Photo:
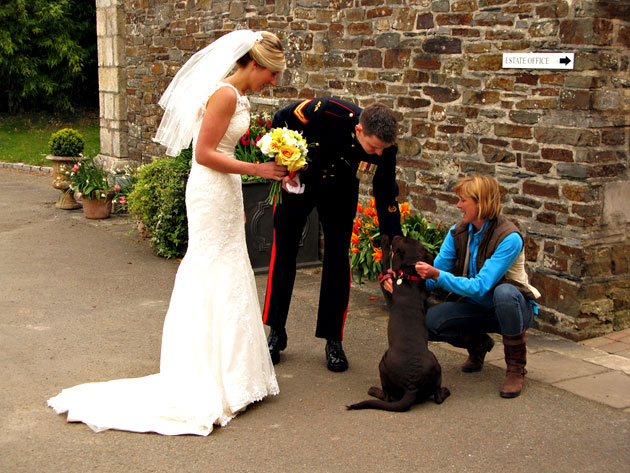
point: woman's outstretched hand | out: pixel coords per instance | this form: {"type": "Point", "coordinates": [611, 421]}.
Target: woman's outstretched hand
{"type": "Point", "coordinates": [271, 170]}
{"type": "Point", "coordinates": [426, 271]}
{"type": "Point", "coordinates": [387, 281]}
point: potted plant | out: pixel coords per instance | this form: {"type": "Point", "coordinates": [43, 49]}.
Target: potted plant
{"type": "Point", "coordinates": [66, 148]}
{"type": "Point", "coordinates": [258, 211]}
{"type": "Point", "coordinates": [94, 186]}
{"type": "Point", "coordinates": [365, 251]}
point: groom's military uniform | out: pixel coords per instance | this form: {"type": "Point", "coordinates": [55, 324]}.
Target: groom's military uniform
{"type": "Point", "coordinates": [336, 158]}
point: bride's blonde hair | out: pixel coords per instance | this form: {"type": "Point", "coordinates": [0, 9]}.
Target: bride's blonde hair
{"type": "Point", "coordinates": [267, 53]}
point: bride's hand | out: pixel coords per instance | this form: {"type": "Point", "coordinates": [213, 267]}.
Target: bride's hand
{"type": "Point", "coordinates": [271, 170]}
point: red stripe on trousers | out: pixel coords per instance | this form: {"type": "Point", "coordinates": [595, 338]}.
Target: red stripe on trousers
{"type": "Point", "coordinates": [345, 313]}
{"type": "Point", "coordinates": [271, 264]}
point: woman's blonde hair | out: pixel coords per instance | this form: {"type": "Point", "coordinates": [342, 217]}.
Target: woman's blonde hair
{"type": "Point", "coordinates": [486, 192]}
{"type": "Point", "coordinates": [267, 53]}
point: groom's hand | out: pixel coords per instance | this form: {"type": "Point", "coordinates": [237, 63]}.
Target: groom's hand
{"type": "Point", "coordinates": [286, 179]}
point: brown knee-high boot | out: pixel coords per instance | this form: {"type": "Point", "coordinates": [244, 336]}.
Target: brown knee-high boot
{"type": "Point", "coordinates": [478, 345]}
{"type": "Point", "coordinates": [515, 359]}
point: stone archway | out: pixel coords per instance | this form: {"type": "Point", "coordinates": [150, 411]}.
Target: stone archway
{"type": "Point", "coordinates": [112, 79]}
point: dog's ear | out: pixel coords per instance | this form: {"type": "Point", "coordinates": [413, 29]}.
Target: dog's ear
{"type": "Point", "coordinates": [384, 240]}
{"type": "Point", "coordinates": [386, 249]}
{"type": "Point", "coordinates": [398, 253]}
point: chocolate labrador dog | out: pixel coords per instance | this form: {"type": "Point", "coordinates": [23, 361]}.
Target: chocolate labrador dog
{"type": "Point", "coordinates": [410, 372]}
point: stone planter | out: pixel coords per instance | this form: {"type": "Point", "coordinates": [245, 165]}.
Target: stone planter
{"type": "Point", "coordinates": [259, 230]}
{"type": "Point", "coordinates": [61, 164]}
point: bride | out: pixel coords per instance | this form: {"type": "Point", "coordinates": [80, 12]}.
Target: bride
{"type": "Point", "coordinates": [214, 359]}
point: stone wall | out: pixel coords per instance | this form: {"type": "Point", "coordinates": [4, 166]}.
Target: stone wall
{"type": "Point", "coordinates": [558, 141]}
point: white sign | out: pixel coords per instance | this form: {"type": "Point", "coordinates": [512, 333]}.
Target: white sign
{"type": "Point", "coordinates": [538, 60]}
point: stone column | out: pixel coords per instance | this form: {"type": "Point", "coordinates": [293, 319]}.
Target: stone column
{"type": "Point", "coordinates": [110, 29]}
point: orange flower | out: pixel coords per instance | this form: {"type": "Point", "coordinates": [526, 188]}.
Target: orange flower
{"type": "Point", "coordinates": [354, 249]}
{"type": "Point", "coordinates": [404, 209]}
{"type": "Point", "coordinates": [357, 225]}
{"type": "Point", "coordinates": [354, 239]}
{"type": "Point", "coordinates": [376, 220]}
{"type": "Point", "coordinates": [359, 208]}
{"type": "Point", "coordinates": [368, 212]}
{"type": "Point", "coordinates": [377, 255]}
{"type": "Point", "coordinates": [372, 203]}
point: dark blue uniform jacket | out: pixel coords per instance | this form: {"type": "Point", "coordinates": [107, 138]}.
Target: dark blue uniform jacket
{"type": "Point", "coordinates": [328, 125]}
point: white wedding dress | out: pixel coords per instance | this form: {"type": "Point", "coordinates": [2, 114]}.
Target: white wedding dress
{"type": "Point", "coordinates": [215, 359]}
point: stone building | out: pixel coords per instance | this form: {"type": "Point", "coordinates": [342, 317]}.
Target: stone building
{"type": "Point", "coordinates": [556, 139]}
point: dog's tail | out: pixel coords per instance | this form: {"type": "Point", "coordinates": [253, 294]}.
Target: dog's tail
{"type": "Point", "coordinates": [408, 400]}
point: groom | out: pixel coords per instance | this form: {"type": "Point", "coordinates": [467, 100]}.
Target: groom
{"type": "Point", "coordinates": [347, 144]}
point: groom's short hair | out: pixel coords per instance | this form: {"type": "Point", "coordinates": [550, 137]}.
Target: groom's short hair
{"type": "Point", "coordinates": [379, 120]}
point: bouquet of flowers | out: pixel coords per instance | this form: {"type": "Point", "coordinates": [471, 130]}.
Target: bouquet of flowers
{"type": "Point", "coordinates": [246, 149]}
{"type": "Point", "coordinates": [288, 148]}
{"type": "Point", "coordinates": [365, 254]}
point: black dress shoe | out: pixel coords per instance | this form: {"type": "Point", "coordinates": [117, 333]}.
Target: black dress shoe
{"type": "Point", "coordinates": [335, 356]}
{"type": "Point", "coordinates": [277, 341]}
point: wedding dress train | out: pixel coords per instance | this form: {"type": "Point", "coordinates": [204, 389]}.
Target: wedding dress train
{"type": "Point", "coordinates": [214, 359]}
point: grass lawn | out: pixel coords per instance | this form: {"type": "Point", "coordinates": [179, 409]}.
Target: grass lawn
{"type": "Point", "coordinates": [24, 137]}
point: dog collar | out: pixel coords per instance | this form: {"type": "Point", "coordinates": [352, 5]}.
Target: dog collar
{"type": "Point", "coordinates": [402, 275]}
{"type": "Point", "coordinates": [384, 277]}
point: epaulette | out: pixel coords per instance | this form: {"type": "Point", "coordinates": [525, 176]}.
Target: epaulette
{"type": "Point", "coordinates": [339, 110]}
{"type": "Point", "coordinates": [298, 112]}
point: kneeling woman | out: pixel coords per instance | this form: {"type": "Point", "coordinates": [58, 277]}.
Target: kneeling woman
{"type": "Point", "coordinates": [482, 261]}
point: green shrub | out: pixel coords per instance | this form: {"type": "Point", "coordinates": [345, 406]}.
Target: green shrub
{"type": "Point", "coordinates": [158, 201]}
{"type": "Point", "coordinates": [66, 142]}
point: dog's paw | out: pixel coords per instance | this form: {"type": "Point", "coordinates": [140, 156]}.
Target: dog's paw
{"type": "Point", "coordinates": [376, 392]}
{"type": "Point", "coordinates": [441, 394]}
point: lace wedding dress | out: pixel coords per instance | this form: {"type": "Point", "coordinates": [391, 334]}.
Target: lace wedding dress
{"type": "Point", "coordinates": [214, 359]}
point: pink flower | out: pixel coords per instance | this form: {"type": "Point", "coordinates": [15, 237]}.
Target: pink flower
{"type": "Point", "coordinates": [123, 201]}
{"type": "Point", "coordinates": [117, 187]}
{"type": "Point", "coordinates": [75, 168]}
{"type": "Point", "coordinates": [79, 195]}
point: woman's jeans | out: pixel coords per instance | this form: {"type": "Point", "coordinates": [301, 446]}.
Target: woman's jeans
{"type": "Point", "coordinates": [511, 315]}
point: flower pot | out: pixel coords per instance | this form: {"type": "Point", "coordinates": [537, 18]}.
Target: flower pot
{"type": "Point", "coordinates": [98, 207]}
{"type": "Point", "coordinates": [60, 164]}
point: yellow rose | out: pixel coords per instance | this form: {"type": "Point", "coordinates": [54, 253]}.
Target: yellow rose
{"type": "Point", "coordinates": [297, 165]}
{"type": "Point", "coordinates": [287, 155]}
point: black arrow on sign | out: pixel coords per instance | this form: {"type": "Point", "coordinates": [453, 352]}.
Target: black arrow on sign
{"type": "Point", "coordinates": [565, 60]}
